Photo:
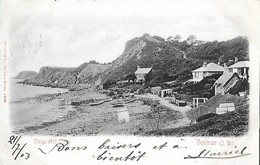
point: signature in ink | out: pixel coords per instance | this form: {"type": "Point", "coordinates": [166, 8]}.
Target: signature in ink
{"type": "Point", "coordinates": [208, 154]}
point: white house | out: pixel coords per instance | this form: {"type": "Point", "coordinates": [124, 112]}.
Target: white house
{"type": "Point", "coordinates": [165, 92]}
{"type": "Point", "coordinates": [241, 68]}
{"type": "Point", "coordinates": [156, 90]}
{"type": "Point", "coordinates": [206, 70]}
{"type": "Point", "coordinates": [140, 73]}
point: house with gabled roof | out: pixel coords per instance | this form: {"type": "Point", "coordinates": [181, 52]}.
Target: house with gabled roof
{"type": "Point", "coordinates": [225, 82]}
{"type": "Point", "coordinates": [241, 68]}
{"type": "Point", "coordinates": [206, 70]}
{"type": "Point", "coordinates": [141, 73]}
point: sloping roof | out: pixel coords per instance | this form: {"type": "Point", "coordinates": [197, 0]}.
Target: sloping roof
{"type": "Point", "coordinates": [240, 64]}
{"type": "Point", "coordinates": [211, 67]}
{"type": "Point", "coordinates": [143, 70]}
{"type": "Point", "coordinates": [158, 87]}
{"type": "Point", "coordinates": [223, 80]}
{"type": "Point", "coordinates": [194, 80]}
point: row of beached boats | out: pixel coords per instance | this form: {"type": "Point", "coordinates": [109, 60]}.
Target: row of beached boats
{"type": "Point", "coordinates": [100, 102]}
{"type": "Point", "coordinates": [121, 103]}
{"type": "Point", "coordinates": [118, 103]}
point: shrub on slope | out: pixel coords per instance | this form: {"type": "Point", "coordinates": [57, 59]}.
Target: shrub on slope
{"type": "Point", "coordinates": [233, 123]}
{"type": "Point", "coordinates": [230, 124]}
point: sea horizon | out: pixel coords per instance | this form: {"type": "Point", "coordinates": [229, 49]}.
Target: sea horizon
{"type": "Point", "coordinates": [18, 92]}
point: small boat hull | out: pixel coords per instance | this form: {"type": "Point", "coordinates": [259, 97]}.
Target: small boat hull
{"type": "Point", "coordinates": [117, 105]}
{"type": "Point", "coordinates": [94, 104]}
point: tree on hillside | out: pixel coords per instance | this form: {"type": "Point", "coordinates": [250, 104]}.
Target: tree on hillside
{"type": "Point", "coordinates": [169, 38]}
{"type": "Point", "coordinates": [159, 38]}
{"type": "Point", "coordinates": [93, 62]}
{"type": "Point", "coordinates": [240, 86]}
{"type": "Point", "coordinates": [154, 78]}
{"type": "Point", "coordinates": [177, 37]}
{"type": "Point", "coordinates": [191, 39]}
{"type": "Point", "coordinates": [130, 77]}
{"type": "Point", "coordinates": [157, 77]}
{"type": "Point", "coordinates": [108, 83]}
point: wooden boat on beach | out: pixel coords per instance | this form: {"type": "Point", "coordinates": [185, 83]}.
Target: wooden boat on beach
{"type": "Point", "coordinates": [129, 101]}
{"type": "Point", "coordinates": [122, 103]}
{"type": "Point", "coordinates": [76, 103]}
{"type": "Point", "coordinates": [117, 105]}
{"type": "Point", "coordinates": [107, 100]}
{"type": "Point", "coordinates": [100, 102]}
{"type": "Point", "coordinates": [96, 103]}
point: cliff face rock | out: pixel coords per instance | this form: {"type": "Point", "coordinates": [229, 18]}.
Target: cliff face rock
{"type": "Point", "coordinates": [144, 51]}
{"type": "Point", "coordinates": [26, 75]}
{"type": "Point", "coordinates": [88, 72]}
{"type": "Point", "coordinates": [65, 77]}
{"type": "Point", "coordinates": [54, 77]}
{"type": "Point", "coordinates": [132, 48]}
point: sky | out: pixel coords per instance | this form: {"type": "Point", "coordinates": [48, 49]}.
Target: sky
{"type": "Point", "coordinates": [68, 33]}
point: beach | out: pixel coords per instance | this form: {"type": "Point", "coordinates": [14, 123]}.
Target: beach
{"type": "Point", "coordinates": [53, 114]}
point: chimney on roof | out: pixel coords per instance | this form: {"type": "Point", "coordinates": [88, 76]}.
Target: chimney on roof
{"type": "Point", "coordinates": [138, 66]}
{"type": "Point", "coordinates": [225, 68]}
{"type": "Point", "coordinates": [218, 63]}
{"type": "Point", "coordinates": [204, 64]}
{"type": "Point", "coordinates": [236, 60]}
{"type": "Point", "coordinates": [152, 66]}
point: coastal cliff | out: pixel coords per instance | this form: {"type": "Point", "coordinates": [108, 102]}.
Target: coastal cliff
{"type": "Point", "coordinates": [90, 72]}
{"type": "Point", "coordinates": [60, 77]}
{"type": "Point", "coordinates": [171, 59]}
{"type": "Point", "coordinates": [53, 77]}
{"type": "Point", "coordinates": [26, 75]}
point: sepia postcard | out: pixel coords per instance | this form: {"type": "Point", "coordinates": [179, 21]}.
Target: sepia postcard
{"type": "Point", "coordinates": [135, 82]}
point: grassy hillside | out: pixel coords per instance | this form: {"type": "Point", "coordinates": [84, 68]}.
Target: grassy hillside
{"type": "Point", "coordinates": [214, 102]}
{"type": "Point", "coordinates": [176, 59]}
{"type": "Point", "coordinates": [230, 124]}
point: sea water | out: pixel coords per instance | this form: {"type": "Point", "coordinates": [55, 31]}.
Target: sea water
{"type": "Point", "coordinates": [25, 112]}
{"type": "Point", "coordinates": [18, 92]}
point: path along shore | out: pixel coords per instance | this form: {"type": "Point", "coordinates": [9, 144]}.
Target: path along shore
{"type": "Point", "coordinates": [185, 121]}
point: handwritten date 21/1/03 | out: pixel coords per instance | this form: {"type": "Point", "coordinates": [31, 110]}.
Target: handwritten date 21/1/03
{"type": "Point", "coordinates": [18, 148]}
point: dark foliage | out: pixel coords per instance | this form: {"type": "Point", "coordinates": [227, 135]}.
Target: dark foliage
{"type": "Point", "coordinates": [221, 51]}
{"type": "Point", "coordinates": [241, 86]}
{"type": "Point", "coordinates": [207, 116]}
{"type": "Point", "coordinates": [108, 83]}
{"type": "Point", "coordinates": [167, 58]}
{"type": "Point", "coordinates": [159, 38]}
{"type": "Point", "coordinates": [129, 77]}
{"type": "Point", "coordinates": [204, 88]}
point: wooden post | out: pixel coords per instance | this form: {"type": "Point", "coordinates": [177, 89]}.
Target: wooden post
{"type": "Point", "coordinates": [198, 112]}
{"type": "Point", "coordinates": [159, 118]}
